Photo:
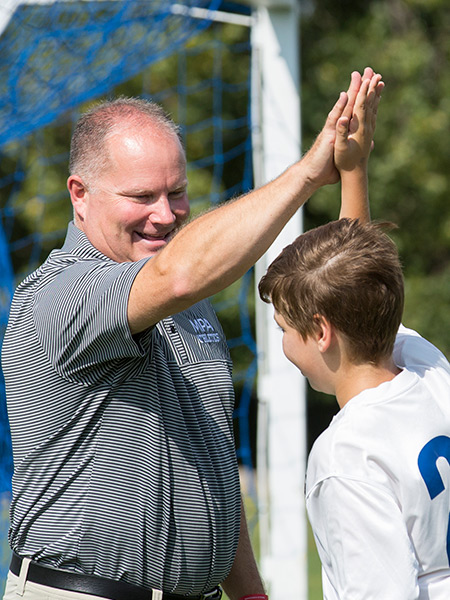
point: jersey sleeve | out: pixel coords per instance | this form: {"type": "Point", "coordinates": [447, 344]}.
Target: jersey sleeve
{"type": "Point", "coordinates": [362, 542]}
{"type": "Point", "coordinates": [411, 349]}
{"type": "Point", "coordinates": [80, 318]}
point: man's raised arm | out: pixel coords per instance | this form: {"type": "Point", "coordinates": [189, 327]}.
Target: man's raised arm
{"type": "Point", "coordinates": [218, 247]}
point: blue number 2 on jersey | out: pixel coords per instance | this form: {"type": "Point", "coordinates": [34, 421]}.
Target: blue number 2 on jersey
{"type": "Point", "coordinates": [438, 446]}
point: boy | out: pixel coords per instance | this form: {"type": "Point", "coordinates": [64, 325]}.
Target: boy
{"type": "Point", "coordinates": [378, 478]}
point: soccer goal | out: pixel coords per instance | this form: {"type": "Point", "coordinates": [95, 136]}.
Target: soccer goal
{"type": "Point", "coordinates": [228, 74]}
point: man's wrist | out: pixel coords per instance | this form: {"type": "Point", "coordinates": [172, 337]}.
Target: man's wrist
{"type": "Point", "coordinates": [304, 178]}
{"type": "Point", "coordinates": [255, 597]}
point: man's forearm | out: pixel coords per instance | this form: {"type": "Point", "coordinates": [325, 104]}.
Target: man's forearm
{"type": "Point", "coordinates": [214, 250]}
{"type": "Point", "coordinates": [218, 247]}
{"type": "Point", "coordinates": [244, 578]}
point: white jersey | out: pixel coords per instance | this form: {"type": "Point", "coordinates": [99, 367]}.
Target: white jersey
{"type": "Point", "coordinates": [378, 485]}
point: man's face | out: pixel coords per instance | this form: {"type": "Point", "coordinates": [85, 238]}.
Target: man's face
{"type": "Point", "coordinates": [134, 207]}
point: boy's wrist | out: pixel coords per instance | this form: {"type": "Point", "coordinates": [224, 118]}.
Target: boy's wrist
{"type": "Point", "coordinates": [361, 167]}
{"type": "Point", "coordinates": [359, 172]}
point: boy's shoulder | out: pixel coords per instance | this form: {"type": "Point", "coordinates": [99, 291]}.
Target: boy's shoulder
{"type": "Point", "coordinates": [371, 435]}
{"type": "Point", "coordinates": [413, 351]}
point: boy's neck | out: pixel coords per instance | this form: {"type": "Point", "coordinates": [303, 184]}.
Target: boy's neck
{"type": "Point", "coordinates": [354, 379]}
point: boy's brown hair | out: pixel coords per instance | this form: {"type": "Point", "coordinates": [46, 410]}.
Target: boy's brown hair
{"type": "Point", "coordinates": [349, 273]}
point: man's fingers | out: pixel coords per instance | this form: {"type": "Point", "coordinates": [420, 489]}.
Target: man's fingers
{"type": "Point", "coordinates": [342, 127]}
{"type": "Point", "coordinates": [337, 109]}
{"type": "Point", "coordinates": [368, 73]}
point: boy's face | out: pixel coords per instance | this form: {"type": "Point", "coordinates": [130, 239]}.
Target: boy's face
{"type": "Point", "coordinates": [304, 354]}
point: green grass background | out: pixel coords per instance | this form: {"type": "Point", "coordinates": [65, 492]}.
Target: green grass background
{"type": "Point", "coordinates": [314, 570]}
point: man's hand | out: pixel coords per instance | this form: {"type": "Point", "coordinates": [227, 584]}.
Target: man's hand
{"type": "Point", "coordinates": [355, 129]}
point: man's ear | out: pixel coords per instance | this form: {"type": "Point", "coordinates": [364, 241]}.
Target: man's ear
{"type": "Point", "coordinates": [78, 195]}
{"type": "Point", "coordinates": [324, 332]}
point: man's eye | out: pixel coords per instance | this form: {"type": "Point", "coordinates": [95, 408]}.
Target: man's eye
{"type": "Point", "coordinates": [177, 194]}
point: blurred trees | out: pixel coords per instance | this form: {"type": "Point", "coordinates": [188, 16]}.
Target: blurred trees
{"type": "Point", "coordinates": [408, 41]}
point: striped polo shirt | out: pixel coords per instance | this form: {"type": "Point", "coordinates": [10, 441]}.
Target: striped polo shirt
{"type": "Point", "coordinates": [124, 456]}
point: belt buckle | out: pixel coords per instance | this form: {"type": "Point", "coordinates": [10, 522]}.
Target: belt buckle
{"type": "Point", "coordinates": [215, 594]}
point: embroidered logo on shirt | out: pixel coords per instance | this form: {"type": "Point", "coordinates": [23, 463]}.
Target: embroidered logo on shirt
{"type": "Point", "coordinates": [204, 331]}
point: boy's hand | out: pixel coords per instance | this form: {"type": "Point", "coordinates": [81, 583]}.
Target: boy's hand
{"type": "Point", "coordinates": [356, 127]}
{"type": "Point", "coordinates": [320, 158]}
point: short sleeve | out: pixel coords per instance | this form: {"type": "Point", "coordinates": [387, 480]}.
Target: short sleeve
{"type": "Point", "coordinates": [362, 541]}
{"type": "Point", "coordinates": [412, 350]}
{"type": "Point", "coordinates": [80, 316]}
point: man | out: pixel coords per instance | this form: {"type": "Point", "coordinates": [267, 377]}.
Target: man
{"type": "Point", "coordinates": [126, 480]}
{"type": "Point", "coordinates": [377, 493]}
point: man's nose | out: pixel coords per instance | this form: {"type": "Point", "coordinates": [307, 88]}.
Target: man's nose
{"type": "Point", "coordinates": [162, 212]}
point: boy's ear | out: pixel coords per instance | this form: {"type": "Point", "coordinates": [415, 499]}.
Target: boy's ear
{"type": "Point", "coordinates": [324, 332]}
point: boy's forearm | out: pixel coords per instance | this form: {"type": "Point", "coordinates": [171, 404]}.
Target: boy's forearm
{"type": "Point", "coordinates": [355, 194]}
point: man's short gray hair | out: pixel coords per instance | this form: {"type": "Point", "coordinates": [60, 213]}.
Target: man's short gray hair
{"type": "Point", "coordinates": [88, 155]}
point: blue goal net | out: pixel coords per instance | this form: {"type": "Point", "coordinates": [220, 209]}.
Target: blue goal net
{"type": "Point", "coordinates": [56, 58]}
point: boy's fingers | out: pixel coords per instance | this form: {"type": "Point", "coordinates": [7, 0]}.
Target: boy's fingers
{"type": "Point", "coordinates": [355, 83]}
{"type": "Point", "coordinates": [355, 88]}
{"type": "Point", "coordinates": [375, 86]}
{"type": "Point", "coordinates": [369, 92]}
{"type": "Point", "coordinates": [373, 99]}
{"type": "Point", "coordinates": [376, 102]}
{"type": "Point", "coordinates": [378, 91]}
{"type": "Point", "coordinates": [360, 107]}
{"type": "Point", "coordinates": [369, 96]}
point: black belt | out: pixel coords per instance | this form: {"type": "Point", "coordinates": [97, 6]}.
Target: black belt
{"type": "Point", "coordinates": [96, 586]}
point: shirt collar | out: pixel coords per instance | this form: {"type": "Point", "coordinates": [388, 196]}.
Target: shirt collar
{"type": "Point", "coordinates": [77, 243]}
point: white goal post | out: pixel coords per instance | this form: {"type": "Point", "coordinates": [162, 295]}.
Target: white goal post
{"type": "Point", "coordinates": [281, 458]}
